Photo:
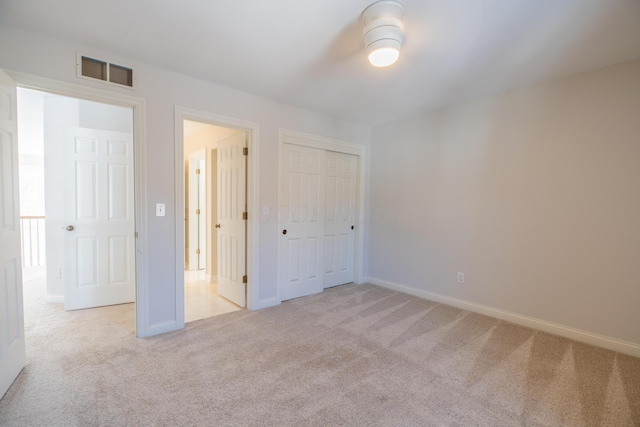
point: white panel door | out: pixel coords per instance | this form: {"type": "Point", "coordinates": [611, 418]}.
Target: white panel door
{"type": "Point", "coordinates": [232, 203]}
{"type": "Point", "coordinates": [339, 239]}
{"type": "Point", "coordinates": [99, 266]}
{"type": "Point", "coordinates": [301, 221]}
{"type": "Point", "coordinates": [202, 215]}
{"type": "Point", "coordinates": [196, 212]}
{"type": "Point", "coordinates": [12, 351]}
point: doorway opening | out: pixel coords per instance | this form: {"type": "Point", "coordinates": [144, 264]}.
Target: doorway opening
{"type": "Point", "coordinates": [215, 219]}
{"type": "Point", "coordinates": [76, 163]}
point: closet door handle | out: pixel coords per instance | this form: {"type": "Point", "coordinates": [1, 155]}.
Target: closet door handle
{"type": "Point", "coordinates": [352, 227]}
{"type": "Point", "coordinates": [217, 225]}
{"type": "Point", "coordinates": [284, 231]}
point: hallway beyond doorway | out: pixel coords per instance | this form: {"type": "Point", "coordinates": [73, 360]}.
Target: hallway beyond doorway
{"type": "Point", "coordinates": [201, 298]}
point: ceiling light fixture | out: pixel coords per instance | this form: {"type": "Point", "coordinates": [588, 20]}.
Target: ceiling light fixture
{"type": "Point", "coordinates": [383, 32]}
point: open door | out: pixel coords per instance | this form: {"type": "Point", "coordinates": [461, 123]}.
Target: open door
{"type": "Point", "coordinates": [232, 218]}
{"type": "Point", "coordinates": [99, 219]}
{"type": "Point", "coordinates": [12, 342]}
{"type": "Point", "coordinates": [197, 211]}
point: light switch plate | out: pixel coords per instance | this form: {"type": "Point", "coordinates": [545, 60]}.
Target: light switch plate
{"type": "Point", "coordinates": [160, 209]}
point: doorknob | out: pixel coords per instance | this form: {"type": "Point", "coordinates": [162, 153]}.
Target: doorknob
{"type": "Point", "coordinates": [352, 227]}
{"type": "Point", "coordinates": [284, 231]}
{"type": "Point", "coordinates": [69, 227]}
{"type": "Point", "coordinates": [217, 225]}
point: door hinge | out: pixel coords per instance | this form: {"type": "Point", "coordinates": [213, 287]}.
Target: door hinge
{"type": "Point", "coordinates": [197, 211]}
{"type": "Point", "coordinates": [197, 251]}
{"type": "Point", "coordinates": [245, 215]}
{"type": "Point", "coordinates": [244, 279]}
{"type": "Point", "coordinates": [197, 171]}
{"type": "Point", "coordinates": [245, 151]}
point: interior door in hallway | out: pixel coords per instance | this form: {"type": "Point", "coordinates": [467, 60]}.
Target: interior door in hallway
{"type": "Point", "coordinates": [99, 241]}
{"type": "Point", "coordinates": [232, 223]}
{"type": "Point", "coordinates": [339, 240]}
{"type": "Point", "coordinates": [301, 221]}
{"type": "Point", "coordinates": [12, 342]}
{"type": "Point", "coordinates": [197, 211]}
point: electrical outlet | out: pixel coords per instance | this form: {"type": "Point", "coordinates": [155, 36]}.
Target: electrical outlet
{"type": "Point", "coordinates": [460, 277]}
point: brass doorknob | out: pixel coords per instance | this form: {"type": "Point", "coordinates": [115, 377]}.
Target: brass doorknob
{"type": "Point", "coordinates": [69, 227]}
{"type": "Point", "coordinates": [217, 225]}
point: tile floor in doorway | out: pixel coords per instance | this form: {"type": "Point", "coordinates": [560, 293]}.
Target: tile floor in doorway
{"type": "Point", "coordinates": [201, 298]}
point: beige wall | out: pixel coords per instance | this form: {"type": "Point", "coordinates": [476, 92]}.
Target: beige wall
{"type": "Point", "coordinates": [534, 195]}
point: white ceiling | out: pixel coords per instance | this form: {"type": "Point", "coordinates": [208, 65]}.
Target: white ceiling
{"type": "Point", "coordinates": [309, 53]}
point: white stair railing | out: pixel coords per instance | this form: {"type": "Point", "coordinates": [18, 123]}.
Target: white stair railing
{"type": "Point", "coordinates": [33, 246]}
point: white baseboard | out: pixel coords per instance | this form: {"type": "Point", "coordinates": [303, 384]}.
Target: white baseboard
{"type": "Point", "coordinates": [58, 299]}
{"type": "Point", "coordinates": [614, 344]}
{"type": "Point", "coordinates": [265, 303]}
{"type": "Point", "coordinates": [161, 328]}
{"type": "Point", "coordinates": [363, 279]}
{"type": "Point", "coordinates": [211, 279]}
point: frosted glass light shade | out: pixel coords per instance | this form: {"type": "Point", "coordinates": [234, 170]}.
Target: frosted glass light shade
{"type": "Point", "coordinates": [384, 56]}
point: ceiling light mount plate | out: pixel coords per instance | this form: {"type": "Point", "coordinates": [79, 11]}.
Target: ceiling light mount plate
{"type": "Point", "coordinates": [383, 32]}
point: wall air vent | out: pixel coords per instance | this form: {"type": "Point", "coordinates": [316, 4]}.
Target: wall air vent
{"type": "Point", "coordinates": [92, 68]}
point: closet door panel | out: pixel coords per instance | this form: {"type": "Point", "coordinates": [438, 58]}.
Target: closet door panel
{"type": "Point", "coordinates": [339, 234]}
{"type": "Point", "coordinates": [301, 221]}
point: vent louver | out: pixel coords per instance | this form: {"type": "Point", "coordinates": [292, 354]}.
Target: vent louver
{"type": "Point", "coordinates": [105, 71]}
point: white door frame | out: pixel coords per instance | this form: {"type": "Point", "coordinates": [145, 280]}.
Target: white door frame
{"type": "Point", "coordinates": [29, 81]}
{"type": "Point", "coordinates": [252, 129]}
{"type": "Point", "coordinates": [286, 136]}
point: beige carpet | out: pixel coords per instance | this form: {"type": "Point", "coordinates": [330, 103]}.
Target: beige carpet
{"type": "Point", "coordinates": [351, 356]}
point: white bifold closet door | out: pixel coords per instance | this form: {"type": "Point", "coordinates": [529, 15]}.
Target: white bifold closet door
{"type": "Point", "coordinates": [315, 216]}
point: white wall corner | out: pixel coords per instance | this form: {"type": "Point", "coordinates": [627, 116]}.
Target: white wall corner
{"type": "Point", "coordinates": [614, 344]}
